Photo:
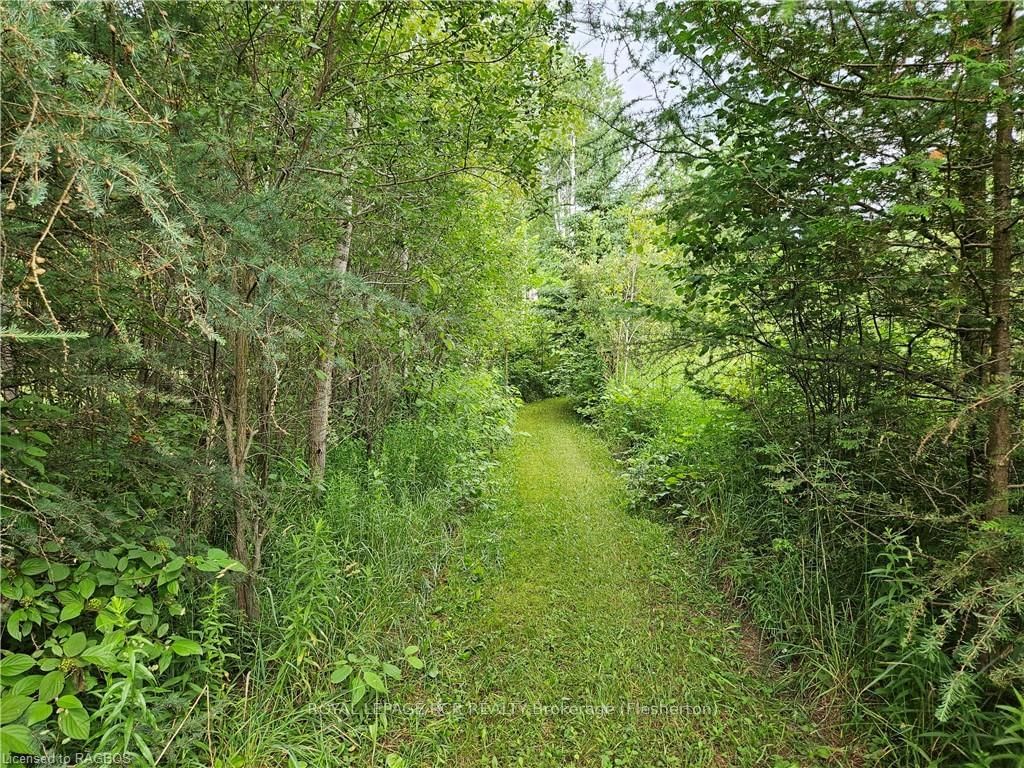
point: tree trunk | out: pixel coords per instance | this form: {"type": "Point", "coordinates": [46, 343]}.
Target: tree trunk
{"type": "Point", "coordinates": [238, 436]}
{"type": "Point", "coordinates": [320, 410]}
{"type": "Point", "coordinates": [572, 173]}
{"type": "Point", "coordinates": [1000, 431]}
{"type": "Point", "coordinates": [10, 391]}
{"type": "Point", "coordinates": [971, 160]}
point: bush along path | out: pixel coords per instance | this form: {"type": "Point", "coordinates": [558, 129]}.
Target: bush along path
{"type": "Point", "coordinates": [571, 633]}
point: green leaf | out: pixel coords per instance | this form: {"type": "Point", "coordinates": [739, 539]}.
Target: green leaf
{"type": "Point", "coordinates": [48, 489]}
{"type": "Point", "coordinates": [17, 739]}
{"type": "Point", "coordinates": [28, 461]}
{"type": "Point", "coordinates": [52, 686]}
{"type": "Point", "coordinates": [74, 723]}
{"type": "Point", "coordinates": [218, 560]}
{"type": "Point", "coordinates": [14, 624]}
{"type": "Point", "coordinates": [27, 685]}
{"type": "Point", "coordinates": [70, 702]}
{"type": "Point", "coordinates": [184, 647]}
{"type": "Point", "coordinates": [415, 662]}
{"type": "Point", "coordinates": [59, 571]}
{"type": "Point", "coordinates": [40, 437]}
{"type": "Point", "coordinates": [86, 587]}
{"type": "Point", "coordinates": [374, 680]}
{"type": "Point", "coordinates": [391, 670]}
{"type": "Point", "coordinates": [358, 690]}
{"type": "Point", "coordinates": [152, 559]}
{"type": "Point", "coordinates": [341, 673]}
{"type": "Point", "coordinates": [33, 566]}
{"type": "Point", "coordinates": [11, 707]}
{"type": "Point", "coordinates": [16, 664]}
{"type": "Point", "coordinates": [38, 712]}
{"type": "Point", "coordinates": [144, 606]}
{"type": "Point", "coordinates": [71, 611]}
{"type": "Point", "coordinates": [106, 559]}
{"type": "Point", "coordinates": [100, 655]}
{"type": "Point", "coordinates": [9, 589]}
{"type": "Point", "coordinates": [75, 644]}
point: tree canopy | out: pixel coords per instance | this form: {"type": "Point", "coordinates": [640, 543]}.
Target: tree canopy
{"type": "Point", "coordinates": [275, 276]}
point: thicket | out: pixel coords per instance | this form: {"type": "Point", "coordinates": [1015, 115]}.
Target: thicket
{"type": "Point", "coordinates": [262, 265]}
{"type": "Point", "coordinates": [809, 355]}
{"type": "Point", "coordinates": [850, 619]}
{"type": "Point", "coordinates": [262, 292]}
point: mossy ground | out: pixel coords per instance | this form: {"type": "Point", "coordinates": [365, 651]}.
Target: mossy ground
{"type": "Point", "coordinates": [566, 616]}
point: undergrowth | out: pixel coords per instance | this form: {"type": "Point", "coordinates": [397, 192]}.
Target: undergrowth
{"type": "Point", "coordinates": [856, 598]}
{"type": "Point", "coordinates": [347, 580]}
{"type": "Point", "coordinates": [139, 652]}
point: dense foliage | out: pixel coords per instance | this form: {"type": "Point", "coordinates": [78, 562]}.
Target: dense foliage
{"type": "Point", "coordinates": [827, 398]}
{"type": "Point", "coordinates": [275, 276]}
{"type": "Point", "coordinates": [236, 236]}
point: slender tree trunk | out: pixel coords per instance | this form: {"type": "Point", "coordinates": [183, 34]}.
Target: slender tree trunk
{"type": "Point", "coordinates": [404, 262]}
{"type": "Point", "coordinates": [971, 160]}
{"type": "Point", "coordinates": [556, 212]}
{"type": "Point", "coordinates": [239, 438]}
{"type": "Point", "coordinates": [1000, 434]}
{"type": "Point", "coordinates": [203, 498]}
{"type": "Point", "coordinates": [238, 460]}
{"type": "Point", "coordinates": [10, 391]}
{"type": "Point", "coordinates": [267, 422]}
{"type": "Point", "coordinates": [320, 410]}
{"type": "Point", "coordinates": [629, 294]}
{"type": "Point", "coordinates": [572, 173]}
{"type": "Point", "coordinates": [323, 387]}
{"type": "Point", "coordinates": [238, 435]}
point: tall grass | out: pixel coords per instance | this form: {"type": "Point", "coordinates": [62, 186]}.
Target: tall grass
{"type": "Point", "coordinates": [349, 573]}
{"type": "Point", "coordinates": [840, 599]}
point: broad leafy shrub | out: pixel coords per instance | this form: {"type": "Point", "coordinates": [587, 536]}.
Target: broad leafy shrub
{"type": "Point", "coordinates": [908, 616]}
{"type": "Point", "coordinates": [679, 450]}
{"type": "Point", "coordinates": [99, 650]}
{"type": "Point", "coordinates": [530, 374]}
{"type": "Point", "coordinates": [580, 376]}
{"type": "Point", "coordinates": [458, 421]}
{"type": "Point", "coordinates": [92, 647]}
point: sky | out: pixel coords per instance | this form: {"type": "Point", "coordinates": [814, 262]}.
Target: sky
{"type": "Point", "coordinates": [596, 35]}
{"type": "Point", "coordinates": [610, 48]}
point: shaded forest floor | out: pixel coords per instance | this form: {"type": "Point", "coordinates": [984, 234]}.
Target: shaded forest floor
{"type": "Point", "coordinates": [571, 633]}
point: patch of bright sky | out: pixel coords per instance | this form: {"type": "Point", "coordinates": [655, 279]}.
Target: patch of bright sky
{"type": "Point", "coordinates": [599, 35]}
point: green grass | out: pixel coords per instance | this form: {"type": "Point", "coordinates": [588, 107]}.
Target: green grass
{"type": "Point", "coordinates": [560, 599]}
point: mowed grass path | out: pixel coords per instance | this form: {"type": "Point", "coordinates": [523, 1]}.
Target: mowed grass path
{"type": "Point", "coordinates": [574, 634]}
